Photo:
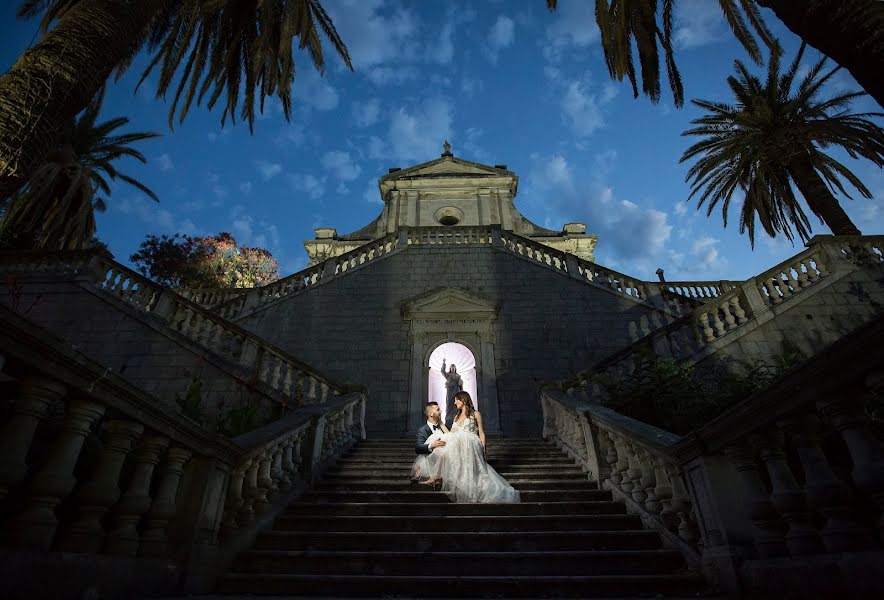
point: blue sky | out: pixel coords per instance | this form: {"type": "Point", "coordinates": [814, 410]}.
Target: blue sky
{"type": "Point", "coordinates": [504, 82]}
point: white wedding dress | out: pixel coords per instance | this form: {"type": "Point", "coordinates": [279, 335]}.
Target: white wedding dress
{"type": "Point", "coordinates": [460, 464]}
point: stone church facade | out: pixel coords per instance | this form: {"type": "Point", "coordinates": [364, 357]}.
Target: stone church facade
{"type": "Point", "coordinates": [524, 321]}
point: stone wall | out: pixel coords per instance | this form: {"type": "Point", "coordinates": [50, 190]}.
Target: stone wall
{"type": "Point", "coordinates": [129, 343]}
{"type": "Point", "coordinates": [549, 327]}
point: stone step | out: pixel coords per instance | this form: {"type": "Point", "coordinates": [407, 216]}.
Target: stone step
{"type": "Point", "coordinates": [422, 586]}
{"type": "Point", "coordinates": [603, 562]}
{"type": "Point", "coordinates": [403, 484]}
{"type": "Point", "coordinates": [410, 523]}
{"type": "Point", "coordinates": [436, 509]}
{"type": "Point", "coordinates": [358, 474]}
{"type": "Point", "coordinates": [418, 495]}
{"type": "Point", "coordinates": [496, 541]}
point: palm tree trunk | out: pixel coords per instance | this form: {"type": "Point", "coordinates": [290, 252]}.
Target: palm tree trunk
{"type": "Point", "coordinates": [55, 79]}
{"type": "Point", "coordinates": [819, 198]}
{"type": "Point", "coordinates": [850, 32]}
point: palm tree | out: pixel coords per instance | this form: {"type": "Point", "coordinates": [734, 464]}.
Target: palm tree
{"type": "Point", "coordinates": [624, 23]}
{"type": "Point", "coordinates": [220, 47]}
{"type": "Point", "coordinates": [851, 32]}
{"type": "Point", "coordinates": [773, 137]}
{"type": "Point", "coordinates": [56, 208]}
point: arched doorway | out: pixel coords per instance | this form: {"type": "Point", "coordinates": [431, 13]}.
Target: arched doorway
{"type": "Point", "coordinates": [452, 353]}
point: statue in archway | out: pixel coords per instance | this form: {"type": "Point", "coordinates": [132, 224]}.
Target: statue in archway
{"type": "Point", "coordinates": [453, 384]}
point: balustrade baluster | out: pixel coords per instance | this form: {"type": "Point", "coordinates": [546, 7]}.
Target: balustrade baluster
{"type": "Point", "coordinates": [717, 323]}
{"type": "Point", "coordinates": [786, 496]}
{"type": "Point", "coordinates": [36, 526]}
{"type": "Point", "coordinates": [235, 498]}
{"type": "Point", "coordinates": [265, 483]}
{"type": "Point", "coordinates": [288, 474]}
{"type": "Point", "coordinates": [729, 321]}
{"type": "Point", "coordinates": [662, 489]}
{"type": "Point", "coordinates": [622, 466]}
{"type": "Point", "coordinates": [768, 535]}
{"type": "Point", "coordinates": [135, 502]}
{"type": "Point", "coordinates": [633, 473]}
{"type": "Point", "coordinates": [35, 397]}
{"type": "Point", "coordinates": [681, 506]}
{"type": "Point", "coordinates": [738, 310]}
{"type": "Point", "coordinates": [155, 536]}
{"type": "Point", "coordinates": [276, 473]}
{"type": "Point", "coordinates": [648, 481]}
{"type": "Point", "coordinates": [706, 330]}
{"type": "Point", "coordinates": [102, 491]}
{"type": "Point", "coordinates": [866, 451]}
{"type": "Point", "coordinates": [826, 494]}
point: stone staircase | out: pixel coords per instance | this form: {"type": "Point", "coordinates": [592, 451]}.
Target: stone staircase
{"type": "Point", "coordinates": [366, 531]}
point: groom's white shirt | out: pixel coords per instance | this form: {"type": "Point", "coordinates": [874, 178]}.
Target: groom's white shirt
{"type": "Point", "coordinates": [430, 425]}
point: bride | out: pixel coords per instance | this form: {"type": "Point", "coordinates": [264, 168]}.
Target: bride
{"type": "Point", "coordinates": [460, 464]}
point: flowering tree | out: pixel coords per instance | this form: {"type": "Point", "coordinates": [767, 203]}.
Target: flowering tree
{"type": "Point", "coordinates": [204, 262]}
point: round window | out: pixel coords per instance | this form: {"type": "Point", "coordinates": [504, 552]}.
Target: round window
{"type": "Point", "coordinates": [448, 216]}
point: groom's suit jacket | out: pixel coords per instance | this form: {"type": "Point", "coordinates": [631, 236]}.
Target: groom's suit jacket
{"type": "Point", "coordinates": [421, 446]}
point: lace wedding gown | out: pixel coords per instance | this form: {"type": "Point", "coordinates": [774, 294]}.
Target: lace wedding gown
{"type": "Point", "coordinates": [460, 464]}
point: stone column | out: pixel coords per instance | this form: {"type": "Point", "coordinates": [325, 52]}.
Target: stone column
{"type": "Point", "coordinates": [155, 537]}
{"type": "Point", "coordinates": [419, 372]}
{"type": "Point", "coordinates": [36, 527]}
{"type": "Point", "coordinates": [123, 540]}
{"type": "Point", "coordinates": [35, 397]}
{"type": "Point", "coordinates": [488, 382]}
{"type": "Point", "coordinates": [102, 491]}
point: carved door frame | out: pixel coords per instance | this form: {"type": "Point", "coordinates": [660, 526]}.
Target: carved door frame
{"type": "Point", "coordinates": [451, 315]}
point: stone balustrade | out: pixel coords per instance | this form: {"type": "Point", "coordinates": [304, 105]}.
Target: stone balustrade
{"type": "Point", "coordinates": [157, 486]}
{"type": "Point", "coordinates": [697, 332]}
{"type": "Point", "coordinates": [791, 477]}
{"type": "Point", "coordinates": [211, 297]}
{"type": "Point", "coordinates": [284, 376]}
{"type": "Point", "coordinates": [699, 290]}
{"type": "Point", "coordinates": [447, 236]}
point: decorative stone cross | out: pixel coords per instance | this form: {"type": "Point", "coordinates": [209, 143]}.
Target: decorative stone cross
{"type": "Point", "coordinates": [446, 149]}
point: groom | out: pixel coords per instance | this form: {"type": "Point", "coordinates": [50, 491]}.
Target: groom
{"type": "Point", "coordinates": [434, 418]}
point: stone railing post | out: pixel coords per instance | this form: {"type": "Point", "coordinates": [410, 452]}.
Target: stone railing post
{"type": "Point", "coordinates": [155, 537]}
{"type": "Point", "coordinates": [36, 526]}
{"type": "Point", "coordinates": [314, 441]}
{"type": "Point", "coordinates": [102, 491]}
{"type": "Point", "coordinates": [123, 540]}
{"type": "Point", "coordinates": [35, 397]}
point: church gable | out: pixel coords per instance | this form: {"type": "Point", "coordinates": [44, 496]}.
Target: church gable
{"type": "Point", "coordinates": [448, 303]}
{"type": "Point", "coordinates": [447, 166]}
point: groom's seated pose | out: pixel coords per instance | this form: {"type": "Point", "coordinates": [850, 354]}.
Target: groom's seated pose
{"type": "Point", "coordinates": [434, 418]}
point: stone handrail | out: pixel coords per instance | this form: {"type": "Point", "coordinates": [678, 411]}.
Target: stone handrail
{"type": "Point", "coordinates": [631, 459]}
{"type": "Point", "coordinates": [448, 236]}
{"type": "Point", "coordinates": [187, 494]}
{"type": "Point", "coordinates": [762, 482]}
{"type": "Point", "coordinates": [748, 300]}
{"type": "Point", "coordinates": [320, 273]}
{"type": "Point", "coordinates": [211, 297]}
{"type": "Point", "coordinates": [281, 373]}
{"type": "Point", "coordinates": [699, 290]}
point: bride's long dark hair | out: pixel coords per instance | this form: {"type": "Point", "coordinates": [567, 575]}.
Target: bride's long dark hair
{"type": "Point", "coordinates": [467, 403]}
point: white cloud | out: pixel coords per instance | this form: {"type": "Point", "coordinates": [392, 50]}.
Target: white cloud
{"type": "Point", "coordinates": [582, 109]}
{"type": "Point", "coordinates": [706, 255]}
{"type": "Point", "coordinates": [471, 86]}
{"type": "Point", "coordinates": [220, 191]}
{"type": "Point", "coordinates": [697, 23]}
{"type": "Point", "coordinates": [377, 149]}
{"type": "Point", "coordinates": [160, 219]}
{"type": "Point", "coordinates": [681, 208]}
{"type": "Point", "coordinates": [308, 184]}
{"type": "Point", "coordinates": [366, 113]}
{"type": "Point", "coordinates": [245, 187]}
{"type": "Point", "coordinates": [375, 32]}
{"type": "Point", "coordinates": [268, 170]}
{"type": "Point", "coordinates": [341, 165]}
{"type": "Point", "coordinates": [164, 161]}
{"type": "Point", "coordinates": [312, 90]}
{"type": "Point", "coordinates": [629, 234]}
{"type": "Point", "coordinates": [573, 24]}
{"type": "Point", "coordinates": [442, 51]}
{"type": "Point", "coordinates": [372, 194]}
{"type": "Point", "coordinates": [383, 76]}
{"type": "Point", "coordinates": [416, 134]}
{"type": "Point", "coordinates": [501, 35]}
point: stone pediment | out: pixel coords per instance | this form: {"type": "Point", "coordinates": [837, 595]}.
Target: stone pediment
{"type": "Point", "coordinates": [448, 303]}
{"type": "Point", "coordinates": [447, 166]}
